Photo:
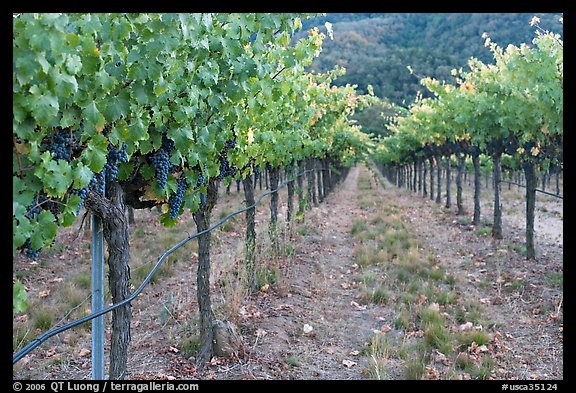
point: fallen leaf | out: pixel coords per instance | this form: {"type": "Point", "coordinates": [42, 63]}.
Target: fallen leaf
{"type": "Point", "coordinates": [348, 363]}
{"type": "Point", "coordinates": [465, 326]}
{"type": "Point", "coordinates": [56, 279]}
{"type": "Point", "coordinates": [83, 352]}
{"type": "Point", "coordinates": [265, 287]}
{"type": "Point", "coordinates": [421, 299]}
{"type": "Point", "coordinates": [173, 349]}
{"type": "Point", "coordinates": [286, 307]}
{"type": "Point", "coordinates": [345, 285]}
{"type": "Point", "coordinates": [45, 293]}
{"type": "Point", "coordinates": [434, 307]}
{"type": "Point", "coordinates": [358, 307]}
{"type": "Point", "coordinates": [440, 357]}
{"type": "Point", "coordinates": [261, 332]}
{"type": "Point", "coordinates": [51, 352]}
{"type": "Point", "coordinates": [432, 373]}
{"type": "Point", "coordinates": [354, 353]}
{"type": "Point", "coordinates": [21, 318]}
{"type": "Point", "coordinates": [385, 328]}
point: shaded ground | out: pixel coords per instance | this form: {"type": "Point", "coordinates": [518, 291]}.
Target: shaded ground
{"type": "Point", "coordinates": [312, 320]}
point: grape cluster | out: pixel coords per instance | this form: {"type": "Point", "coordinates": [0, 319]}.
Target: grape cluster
{"type": "Point", "coordinates": [225, 168]}
{"type": "Point", "coordinates": [35, 208]}
{"type": "Point", "coordinates": [114, 155]}
{"type": "Point", "coordinates": [30, 253]}
{"type": "Point", "coordinates": [82, 194]}
{"type": "Point", "coordinates": [175, 200]}
{"type": "Point", "coordinates": [161, 161]}
{"type": "Point", "coordinates": [229, 144]}
{"type": "Point", "coordinates": [33, 212]}
{"type": "Point", "coordinates": [98, 182]}
{"type": "Point", "coordinates": [200, 180]}
{"type": "Point", "coordinates": [60, 144]}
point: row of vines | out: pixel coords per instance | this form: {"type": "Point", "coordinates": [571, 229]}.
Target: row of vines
{"type": "Point", "coordinates": [112, 111]}
{"type": "Point", "coordinates": [509, 113]}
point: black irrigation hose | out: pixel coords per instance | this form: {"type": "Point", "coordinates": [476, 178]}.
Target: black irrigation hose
{"type": "Point", "coordinates": [37, 341]}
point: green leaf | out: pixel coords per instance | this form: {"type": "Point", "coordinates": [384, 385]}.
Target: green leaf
{"type": "Point", "coordinates": [183, 138]}
{"type": "Point", "coordinates": [82, 175]}
{"type": "Point", "coordinates": [147, 171]}
{"type": "Point", "coordinates": [41, 59]}
{"type": "Point", "coordinates": [65, 85]}
{"type": "Point", "coordinates": [43, 105]}
{"type": "Point", "coordinates": [285, 87]}
{"type": "Point", "coordinates": [167, 221]}
{"type": "Point", "coordinates": [206, 139]}
{"type": "Point", "coordinates": [142, 92]}
{"type": "Point", "coordinates": [160, 86]}
{"type": "Point", "coordinates": [21, 194]}
{"type": "Point", "coordinates": [94, 156]}
{"type": "Point", "coordinates": [70, 116]}
{"type": "Point", "coordinates": [93, 116]}
{"type": "Point", "coordinates": [19, 297]}
{"type": "Point", "coordinates": [21, 226]}
{"type": "Point", "coordinates": [45, 231]}
{"type": "Point", "coordinates": [138, 131]}
{"type": "Point", "coordinates": [117, 106]}
{"type": "Point", "coordinates": [56, 176]}
{"type": "Point", "coordinates": [73, 64]}
{"type": "Point", "coordinates": [104, 80]}
{"type": "Point", "coordinates": [125, 170]}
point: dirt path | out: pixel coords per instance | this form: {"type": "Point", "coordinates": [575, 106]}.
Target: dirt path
{"type": "Point", "coordinates": [319, 292]}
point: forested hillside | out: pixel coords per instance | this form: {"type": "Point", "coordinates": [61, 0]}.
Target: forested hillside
{"type": "Point", "coordinates": [377, 48]}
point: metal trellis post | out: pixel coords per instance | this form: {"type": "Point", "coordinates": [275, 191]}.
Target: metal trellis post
{"type": "Point", "coordinates": [97, 298]}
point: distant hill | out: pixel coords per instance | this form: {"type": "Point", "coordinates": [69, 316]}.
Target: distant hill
{"type": "Point", "coordinates": [375, 48]}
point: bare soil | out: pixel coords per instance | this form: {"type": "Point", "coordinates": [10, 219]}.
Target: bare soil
{"type": "Point", "coordinates": [310, 321]}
